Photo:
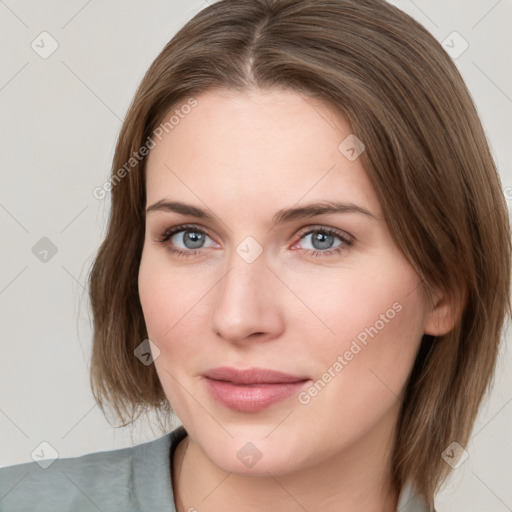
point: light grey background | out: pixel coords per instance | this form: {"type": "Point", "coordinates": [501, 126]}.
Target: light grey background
{"type": "Point", "coordinates": [60, 117]}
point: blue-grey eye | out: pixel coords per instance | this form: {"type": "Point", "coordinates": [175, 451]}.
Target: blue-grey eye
{"type": "Point", "coordinates": [191, 239]}
{"type": "Point", "coordinates": [321, 240]}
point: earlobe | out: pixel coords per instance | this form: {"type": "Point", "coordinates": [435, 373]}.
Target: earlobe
{"type": "Point", "coordinates": [443, 315]}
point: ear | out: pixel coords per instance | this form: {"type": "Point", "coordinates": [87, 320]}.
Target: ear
{"type": "Point", "coordinates": [443, 314]}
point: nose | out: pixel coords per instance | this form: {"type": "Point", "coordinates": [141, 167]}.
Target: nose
{"type": "Point", "coordinates": [247, 302]}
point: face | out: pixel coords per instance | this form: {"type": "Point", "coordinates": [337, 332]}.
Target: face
{"type": "Point", "coordinates": [262, 281]}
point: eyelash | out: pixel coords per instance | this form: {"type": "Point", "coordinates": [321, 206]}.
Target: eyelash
{"type": "Point", "coordinates": [165, 237]}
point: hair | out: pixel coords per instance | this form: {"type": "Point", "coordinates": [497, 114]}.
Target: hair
{"type": "Point", "coordinates": [427, 158]}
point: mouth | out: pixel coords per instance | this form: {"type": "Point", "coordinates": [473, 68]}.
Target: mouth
{"type": "Point", "coordinates": [252, 389]}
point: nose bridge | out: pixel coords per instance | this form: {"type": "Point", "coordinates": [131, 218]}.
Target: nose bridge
{"type": "Point", "coordinates": [245, 303]}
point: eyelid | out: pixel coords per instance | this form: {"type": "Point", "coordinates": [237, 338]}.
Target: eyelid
{"type": "Point", "coordinates": [327, 229]}
{"type": "Point", "coordinates": [168, 233]}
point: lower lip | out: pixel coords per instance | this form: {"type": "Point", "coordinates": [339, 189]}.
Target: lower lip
{"type": "Point", "coordinates": [253, 397]}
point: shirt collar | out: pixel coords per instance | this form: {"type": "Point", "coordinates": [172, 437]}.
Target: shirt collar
{"type": "Point", "coordinates": [410, 501]}
{"type": "Point", "coordinates": [151, 460]}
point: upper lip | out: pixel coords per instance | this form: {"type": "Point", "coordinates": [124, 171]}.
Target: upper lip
{"type": "Point", "coordinates": [251, 375]}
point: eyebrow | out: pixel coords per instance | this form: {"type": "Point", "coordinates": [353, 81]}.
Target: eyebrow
{"type": "Point", "coordinates": [282, 216]}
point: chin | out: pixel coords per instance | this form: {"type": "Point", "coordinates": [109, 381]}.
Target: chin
{"type": "Point", "coordinates": [246, 455]}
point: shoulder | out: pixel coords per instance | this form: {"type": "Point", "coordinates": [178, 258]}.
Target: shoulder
{"type": "Point", "coordinates": [110, 480]}
{"type": "Point", "coordinates": [66, 483]}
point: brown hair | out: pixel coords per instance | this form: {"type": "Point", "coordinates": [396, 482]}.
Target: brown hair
{"type": "Point", "coordinates": [426, 156]}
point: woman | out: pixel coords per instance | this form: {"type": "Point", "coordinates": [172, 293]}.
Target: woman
{"type": "Point", "coordinates": [308, 258]}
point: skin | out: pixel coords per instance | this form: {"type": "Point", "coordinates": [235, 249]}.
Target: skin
{"type": "Point", "coordinates": [243, 157]}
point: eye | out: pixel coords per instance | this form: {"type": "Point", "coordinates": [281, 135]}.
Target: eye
{"type": "Point", "coordinates": [322, 241]}
{"type": "Point", "coordinates": [184, 240]}
{"type": "Point", "coordinates": [188, 240]}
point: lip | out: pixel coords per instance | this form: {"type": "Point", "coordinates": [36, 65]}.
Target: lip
{"type": "Point", "coordinates": [252, 389]}
{"type": "Point", "coordinates": [251, 375]}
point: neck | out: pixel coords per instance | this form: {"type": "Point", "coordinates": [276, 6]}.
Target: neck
{"type": "Point", "coordinates": [356, 479]}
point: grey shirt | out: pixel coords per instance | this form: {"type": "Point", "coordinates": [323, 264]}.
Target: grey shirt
{"type": "Point", "coordinates": [124, 480]}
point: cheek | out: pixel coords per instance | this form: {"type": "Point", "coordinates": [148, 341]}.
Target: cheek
{"type": "Point", "coordinates": [170, 308]}
{"type": "Point", "coordinates": [360, 369]}
{"type": "Point", "coordinates": [175, 306]}
{"type": "Point", "coordinates": [373, 319]}
{"type": "Point", "coordinates": [167, 298]}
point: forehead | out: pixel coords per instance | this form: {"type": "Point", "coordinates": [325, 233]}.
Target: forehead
{"type": "Point", "coordinates": [256, 147]}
